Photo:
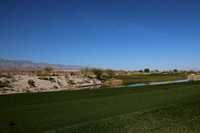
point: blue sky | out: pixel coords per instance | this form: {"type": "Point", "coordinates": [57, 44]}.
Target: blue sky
{"type": "Point", "coordinates": [116, 34]}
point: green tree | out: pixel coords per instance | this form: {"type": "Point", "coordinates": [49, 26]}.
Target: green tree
{"type": "Point", "coordinates": [97, 72]}
{"type": "Point", "coordinates": [156, 70]}
{"type": "Point", "coordinates": [146, 70]}
{"type": "Point", "coordinates": [175, 70]}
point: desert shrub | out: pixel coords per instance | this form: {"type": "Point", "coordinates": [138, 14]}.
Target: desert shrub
{"type": "Point", "coordinates": [8, 76]}
{"type": "Point", "coordinates": [6, 81]}
{"type": "Point", "coordinates": [48, 69]}
{"type": "Point", "coordinates": [60, 84]}
{"type": "Point", "coordinates": [2, 84]}
{"type": "Point", "coordinates": [24, 89]}
{"type": "Point", "coordinates": [86, 81]}
{"type": "Point", "coordinates": [45, 78]}
{"type": "Point", "coordinates": [52, 80]}
{"type": "Point", "coordinates": [42, 73]}
{"type": "Point", "coordinates": [71, 82]}
{"type": "Point", "coordinates": [55, 87]}
{"type": "Point", "coordinates": [9, 86]}
{"type": "Point", "coordinates": [31, 83]}
{"type": "Point", "coordinates": [54, 74]}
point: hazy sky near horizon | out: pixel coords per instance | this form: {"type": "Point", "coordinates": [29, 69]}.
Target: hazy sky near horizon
{"type": "Point", "coordinates": [116, 34]}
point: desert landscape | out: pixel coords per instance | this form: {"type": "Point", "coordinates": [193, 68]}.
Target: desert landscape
{"type": "Point", "coordinates": [47, 79]}
{"type": "Point", "coordinates": [30, 83]}
{"type": "Point", "coordinates": [99, 66]}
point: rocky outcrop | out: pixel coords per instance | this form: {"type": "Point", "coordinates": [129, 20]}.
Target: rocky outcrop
{"type": "Point", "coordinates": [20, 83]}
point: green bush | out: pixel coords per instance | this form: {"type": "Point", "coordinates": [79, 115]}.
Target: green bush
{"type": "Point", "coordinates": [31, 83]}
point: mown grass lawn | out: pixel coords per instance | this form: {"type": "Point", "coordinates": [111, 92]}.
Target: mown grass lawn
{"type": "Point", "coordinates": [144, 108]}
{"type": "Point", "coordinates": [183, 118]}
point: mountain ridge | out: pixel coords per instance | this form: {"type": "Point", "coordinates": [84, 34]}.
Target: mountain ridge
{"type": "Point", "coordinates": [29, 65]}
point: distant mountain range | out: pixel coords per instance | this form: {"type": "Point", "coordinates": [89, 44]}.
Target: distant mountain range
{"type": "Point", "coordinates": [29, 65]}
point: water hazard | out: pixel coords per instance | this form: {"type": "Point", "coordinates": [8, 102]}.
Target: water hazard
{"type": "Point", "coordinates": [163, 82]}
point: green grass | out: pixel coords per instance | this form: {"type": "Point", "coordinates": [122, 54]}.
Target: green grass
{"type": "Point", "coordinates": [104, 110]}
{"type": "Point", "coordinates": [127, 80]}
{"type": "Point", "coordinates": [182, 118]}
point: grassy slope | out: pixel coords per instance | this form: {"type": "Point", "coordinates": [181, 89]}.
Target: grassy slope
{"type": "Point", "coordinates": [150, 78]}
{"type": "Point", "coordinates": [53, 110]}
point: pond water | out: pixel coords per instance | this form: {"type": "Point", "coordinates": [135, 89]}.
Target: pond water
{"type": "Point", "coordinates": [163, 82]}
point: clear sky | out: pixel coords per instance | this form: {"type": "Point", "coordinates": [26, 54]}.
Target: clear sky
{"type": "Point", "coordinates": [116, 34]}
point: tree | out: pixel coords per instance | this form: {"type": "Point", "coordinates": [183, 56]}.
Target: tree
{"type": "Point", "coordinates": [156, 70]}
{"type": "Point", "coordinates": [48, 69]}
{"type": "Point", "coordinates": [140, 70]}
{"type": "Point", "coordinates": [110, 73]}
{"type": "Point", "coordinates": [175, 70]}
{"type": "Point", "coordinates": [146, 70]}
{"type": "Point", "coordinates": [97, 72]}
